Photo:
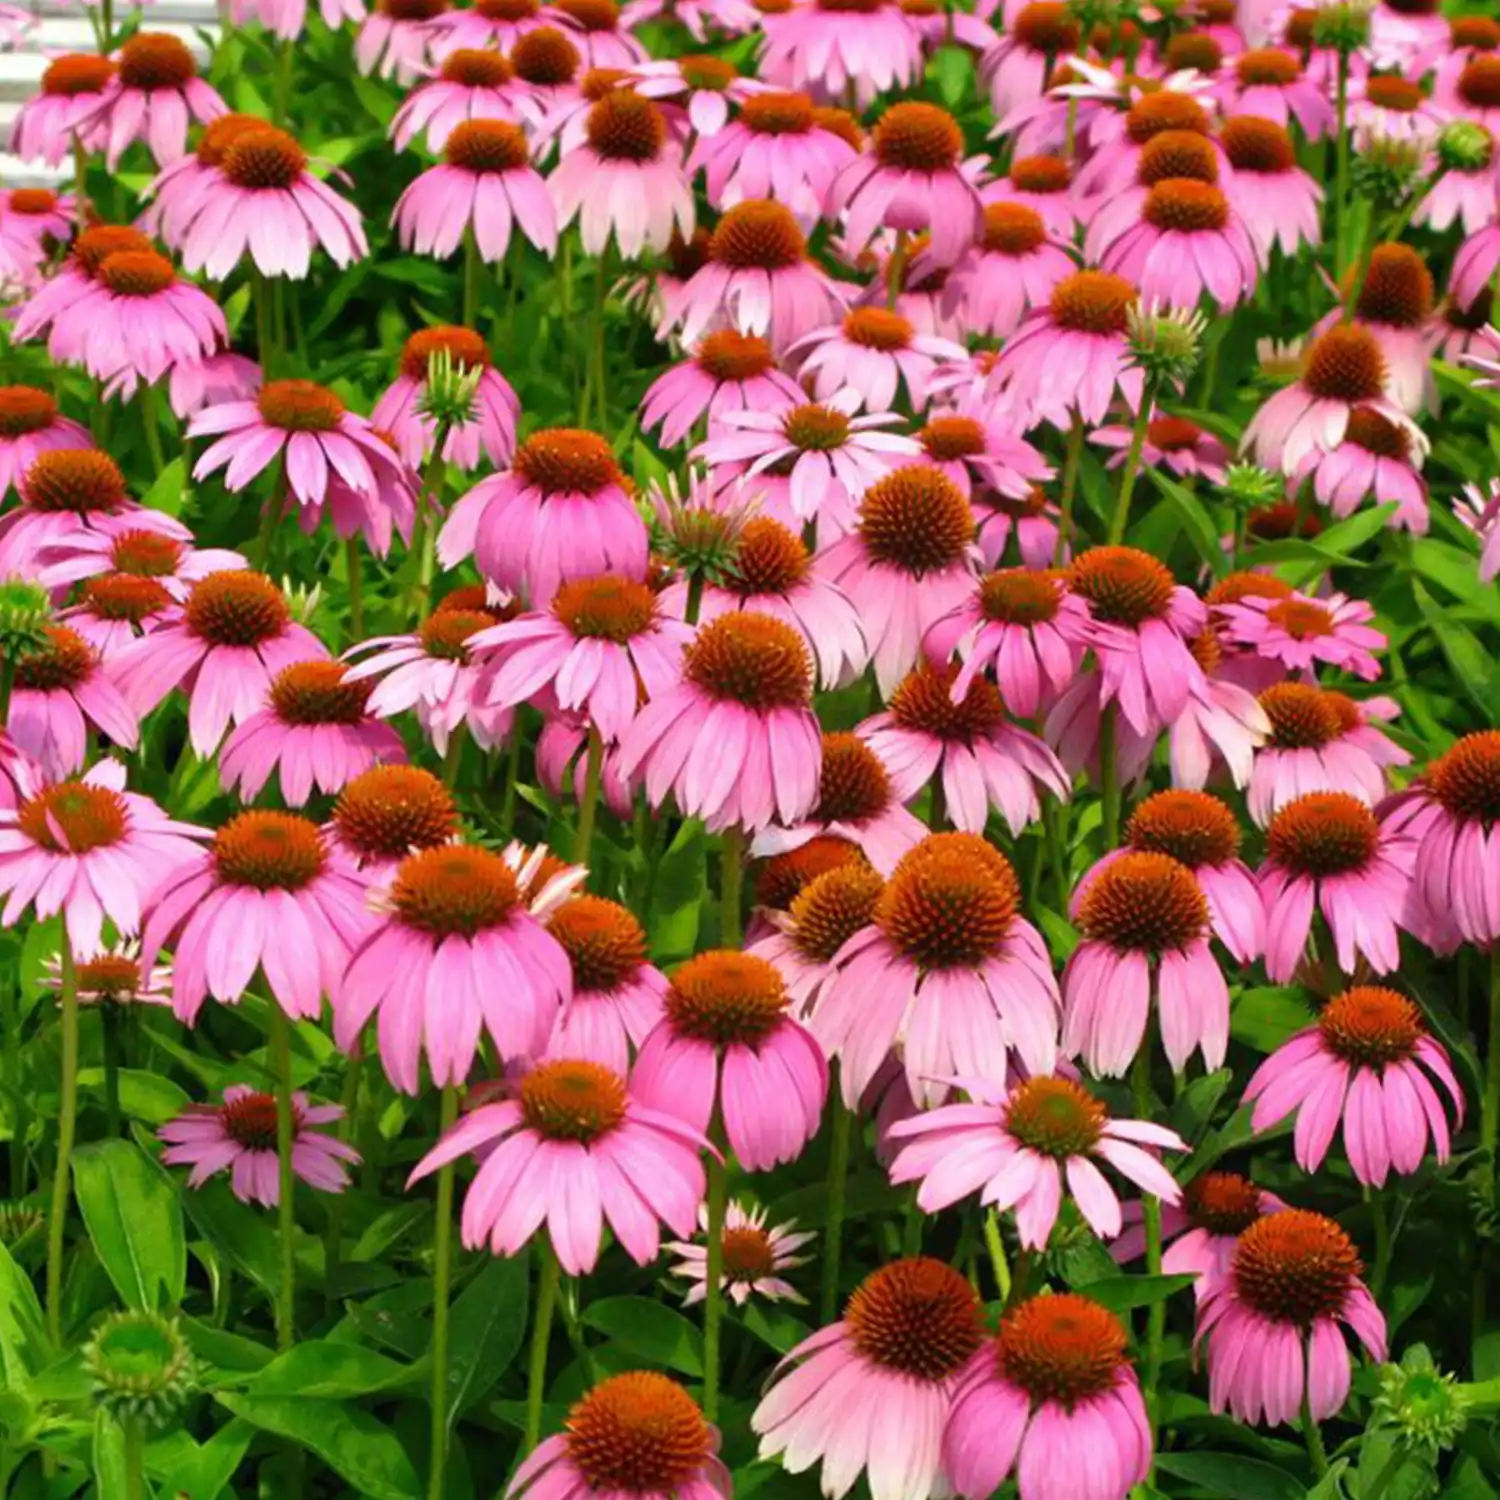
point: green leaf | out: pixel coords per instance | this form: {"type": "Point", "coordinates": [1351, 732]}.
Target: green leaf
{"type": "Point", "coordinates": [204, 1472]}
{"type": "Point", "coordinates": [228, 1351]}
{"type": "Point", "coordinates": [147, 1097]}
{"type": "Point", "coordinates": [1121, 1293]}
{"type": "Point", "coordinates": [242, 1236]}
{"type": "Point", "coordinates": [1264, 1018]}
{"type": "Point", "coordinates": [134, 1218]}
{"type": "Point", "coordinates": [363, 1450]}
{"type": "Point", "coordinates": [1232, 1475]}
{"type": "Point", "coordinates": [1205, 536]}
{"type": "Point", "coordinates": [24, 1346]}
{"type": "Point", "coordinates": [319, 1368]}
{"type": "Point", "coordinates": [648, 1330]}
{"type": "Point", "coordinates": [168, 489]}
{"type": "Point", "coordinates": [1466, 656]}
{"type": "Point", "coordinates": [1195, 1106]}
{"type": "Point", "coordinates": [109, 1458]}
{"type": "Point", "coordinates": [772, 1323]}
{"type": "Point", "coordinates": [488, 1324]}
{"type": "Point", "coordinates": [955, 72]}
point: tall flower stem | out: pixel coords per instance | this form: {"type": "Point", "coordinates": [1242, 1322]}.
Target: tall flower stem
{"type": "Point", "coordinates": [152, 429]}
{"type": "Point", "coordinates": [135, 1456]}
{"type": "Point", "coordinates": [442, 1275]}
{"type": "Point", "coordinates": [1071, 464]}
{"type": "Point", "coordinates": [549, 1274]}
{"type": "Point", "coordinates": [286, 1206]}
{"type": "Point", "coordinates": [1489, 1119]}
{"type": "Point", "coordinates": [1341, 162]}
{"type": "Point", "coordinates": [588, 806]}
{"type": "Point", "coordinates": [80, 181]}
{"type": "Point", "coordinates": [472, 266]}
{"type": "Point", "coordinates": [1109, 777]}
{"type": "Point", "coordinates": [110, 1020]}
{"type": "Point", "coordinates": [838, 1178]}
{"type": "Point", "coordinates": [265, 321]}
{"type": "Point", "coordinates": [1121, 518]}
{"type": "Point", "coordinates": [996, 1247]}
{"type": "Point", "coordinates": [1156, 1315]}
{"type": "Point", "coordinates": [354, 566]}
{"type": "Point", "coordinates": [67, 1124]}
{"type": "Point", "coordinates": [713, 1300]}
{"type": "Point", "coordinates": [597, 380]}
{"type": "Point", "coordinates": [282, 98]}
{"type": "Point", "coordinates": [731, 929]}
{"type": "Point", "coordinates": [1313, 1436]}
{"type": "Point", "coordinates": [271, 521]}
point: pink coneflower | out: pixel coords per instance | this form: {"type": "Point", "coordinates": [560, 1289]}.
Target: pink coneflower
{"type": "Point", "coordinates": [115, 609]}
{"type": "Point", "coordinates": [1071, 356]}
{"type": "Point", "coordinates": [1325, 852]}
{"type": "Point", "coordinates": [491, 26]}
{"type": "Point", "coordinates": [989, 463]}
{"type": "Point", "coordinates": [1018, 66]}
{"type": "Point", "coordinates": [1200, 1233]}
{"type": "Point", "coordinates": [73, 89]}
{"type": "Point", "coordinates": [1405, 31]}
{"type": "Point", "coordinates": [1023, 625]}
{"type": "Point", "coordinates": [755, 1256]}
{"type": "Point", "coordinates": [727, 1048]}
{"type": "Point", "coordinates": [596, 28]}
{"type": "Point", "coordinates": [1387, 107]}
{"type": "Point", "coordinates": [606, 1157]}
{"type": "Point", "coordinates": [35, 314]}
{"type": "Point", "coordinates": [387, 813]}
{"type": "Point", "coordinates": [112, 975]}
{"type": "Point", "coordinates": [286, 18]}
{"type": "Point", "coordinates": [1472, 91]}
{"type": "Point", "coordinates": [30, 424]}
{"type": "Point", "coordinates": [911, 180]}
{"type": "Point", "coordinates": [699, 83]}
{"type": "Point", "coordinates": [758, 280]}
{"type": "Point", "coordinates": [1478, 511]}
{"type": "Point", "coordinates": [62, 694]}
{"type": "Point", "coordinates": [449, 914]}
{"type": "Point", "coordinates": [873, 352]}
{"type": "Point", "coordinates": [1120, 136]}
{"type": "Point", "coordinates": [154, 93]}
{"type": "Point", "coordinates": [1276, 200]}
{"type": "Point", "coordinates": [931, 729]}
{"type": "Point", "coordinates": [1042, 184]}
{"type": "Point", "coordinates": [1270, 1329]}
{"type": "Point", "coordinates": [562, 762]}
{"type": "Point", "coordinates": [235, 634]}
{"type": "Point", "coordinates": [172, 566]}
{"type": "Point", "coordinates": [398, 38]}
{"type": "Point", "coordinates": [136, 322]}
{"type": "Point", "coordinates": [1172, 443]}
{"type": "Point", "coordinates": [433, 671]}
{"type": "Point", "coordinates": [736, 742]}
{"type": "Point", "coordinates": [834, 47]}
{"type": "Point", "coordinates": [1019, 1150]}
{"type": "Point", "coordinates": [1269, 84]}
{"type": "Point", "coordinates": [1377, 461]}
{"type": "Point", "coordinates": [728, 372]}
{"type": "Point", "coordinates": [1465, 192]}
{"type": "Point", "coordinates": [1146, 927]}
{"type": "Point", "coordinates": [493, 412]}
{"type": "Point", "coordinates": [485, 183]}
{"type": "Point", "coordinates": [315, 731]}
{"type": "Point", "coordinates": [239, 1136]}
{"type": "Point", "coordinates": [173, 195]}
{"type": "Point", "coordinates": [1362, 1065]}
{"type": "Point", "coordinates": [558, 513]}
{"type": "Point", "coordinates": [469, 84]}
{"type": "Point", "coordinates": [1053, 1401]}
{"type": "Point", "coordinates": [907, 563]}
{"type": "Point", "coordinates": [895, 1358]}
{"type": "Point", "coordinates": [1474, 264]}
{"type": "Point", "coordinates": [33, 222]}
{"type": "Point", "coordinates": [948, 974]}
{"type": "Point", "coordinates": [1299, 632]}
{"type": "Point", "coordinates": [88, 849]}
{"type": "Point", "coordinates": [211, 382]}
{"type": "Point", "coordinates": [602, 646]}
{"type": "Point", "coordinates": [1010, 270]}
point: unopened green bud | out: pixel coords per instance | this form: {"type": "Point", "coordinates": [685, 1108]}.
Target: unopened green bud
{"type": "Point", "coordinates": [1165, 342]}
{"type": "Point", "coordinates": [449, 396]}
{"type": "Point", "coordinates": [1422, 1406]}
{"type": "Point", "coordinates": [1342, 25]}
{"type": "Point", "coordinates": [18, 1221]}
{"type": "Point", "coordinates": [1465, 146]}
{"type": "Point", "coordinates": [140, 1365]}
{"type": "Point", "coordinates": [1249, 487]}
{"type": "Point", "coordinates": [25, 614]}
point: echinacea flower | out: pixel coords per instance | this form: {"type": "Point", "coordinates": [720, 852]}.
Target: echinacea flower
{"type": "Point", "coordinates": [484, 185]}
{"type": "Point", "coordinates": [450, 915]}
{"type": "Point", "coordinates": [112, 975]}
{"type": "Point", "coordinates": [1364, 1066]}
{"type": "Point", "coordinates": [1123, 136]}
{"type": "Point", "coordinates": [1043, 184]}
{"type": "Point", "coordinates": [600, 35]}
{"type": "Point", "coordinates": [1174, 443]}
{"type": "Point", "coordinates": [948, 975]}
{"type": "Point", "coordinates": [88, 849]}
{"type": "Point", "coordinates": [1146, 927]}
{"type": "Point", "coordinates": [386, 813]}
{"type": "Point", "coordinates": [171, 565]}
{"type": "Point", "coordinates": [735, 742]}
{"type": "Point", "coordinates": [1271, 1329]}
{"type": "Point", "coordinates": [72, 89]}
{"type": "Point", "coordinates": [491, 426]}
{"type": "Point", "coordinates": [1387, 107]}
{"type": "Point", "coordinates": [114, 609]}
{"type": "Point", "coordinates": [398, 38]}
{"type": "Point", "coordinates": [1278, 202]}
{"type": "Point", "coordinates": [728, 372]}
{"type": "Point", "coordinates": [286, 18]}
{"type": "Point", "coordinates": [1018, 67]}
{"type": "Point", "coordinates": [63, 692]}
{"type": "Point", "coordinates": [1300, 632]}
{"type": "Point", "coordinates": [835, 49]}
{"type": "Point", "coordinates": [876, 353]}
{"type": "Point", "coordinates": [755, 1256]}
{"type": "Point", "coordinates": [221, 377]}
{"type": "Point", "coordinates": [33, 222]}
{"type": "Point", "coordinates": [492, 26]}
{"type": "Point", "coordinates": [603, 644]}
{"type": "Point", "coordinates": [469, 84]}
{"type": "Point", "coordinates": [639, 1434]}
{"type": "Point", "coordinates": [154, 93]}
{"type": "Point", "coordinates": [894, 1359]}
{"type": "Point", "coordinates": [1012, 268]}
{"type": "Point", "coordinates": [758, 280]}
{"type": "Point", "coordinates": [239, 1136]}
{"type": "Point", "coordinates": [235, 634]}
{"type": "Point", "coordinates": [1326, 853]}
{"type": "Point", "coordinates": [562, 765]}
{"type": "Point", "coordinates": [575, 1150]}
{"type": "Point", "coordinates": [1053, 1401]}
{"type": "Point", "coordinates": [1377, 461]}
{"type": "Point", "coordinates": [991, 465]}
{"type": "Point", "coordinates": [1268, 83]}
{"type": "Point", "coordinates": [35, 314]}
{"type": "Point", "coordinates": [30, 424]}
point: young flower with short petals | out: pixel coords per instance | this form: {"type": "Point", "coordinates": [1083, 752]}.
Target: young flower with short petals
{"type": "Point", "coordinates": [236, 633]}
{"type": "Point", "coordinates": [73, 86]}
{"type": "Point", "coordinates": [267, 895]}
{"type": "Point", "coordinates": [873, 352]}
{"type": "Point", "coordinates": [603, 645]}
{"type": "Point", "coordinates": [1269, 84]}
{"type": "Point", "coordinates": [574, 1150]}
{"type": "Point", "coordinates": [728, 1048]}
{"type": "Point", "coordinates": [1299, 632]}
{"type": "Point", "coordinates": [451, 915]}
{"type": "Point", "coordinates": [560, 512]}
{"type": "Point", "coordinates": [88, 849]}
{"type": "Point", "coordinates": [1009, 271]}
{"type": "Point", "coordinates": [1018, 1150]}
{"type": "Point", "coordinates": [151, 96]}
{"type": "Point", "coordinates": [907, 564]}
{"type": "Point", "coordinates": [1326, 852]}
{"type": "Point", "coordinates": [1362, 1065]}
{"type": "Point", "coordinates": [1383, 106]}
{"type": "Point", "coordinates": [469, 84]}
{"type": "Point", "coordinates": [1271, 1328]}
{"type": "Point", "coordinates": [30, 424]}
{"type": "Point", "coordinates": [835, 48]}
{"type": "Point", "coordinates": [398, 38]}
{"type": "Point", "coordinates": [728, 372]}
{"type": "Point", "coordinates": [239, 1136]}
{"type": "Point", "coordinates": [62, 694]}
{"type": "Point", "coordinates": [754, 1258]}
{"type": "Point", "coordinates": [1278, 202]}
{"type": "Point", "coordinates": [758, 280]}
{"type": "Point", "coordinates": [1377, 461]}
{"type": "Point", "coordinates": [895, 1358]}
{"type": "Point", "coordinates": [112, 975]}
{"type": "Point", "coordinates": [701, 84]}
{"type": "Point", "coordinates": [1053, 1401]}
{"type": "Point", "coordinates": [948, 975]}
{"type": "Point", "coordinates": [484, 184]}
{"type": "Point", "coordinates": [491, 427]}
{"type": "Point", "coordinates": [316, 731]}
{"type": "Point", "coordinates": [1171, 442]}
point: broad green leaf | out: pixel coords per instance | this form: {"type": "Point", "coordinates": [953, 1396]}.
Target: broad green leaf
{"type": "Point", "coordinates": [1121, 1293]}
{"type": "Point", "coordinates": [242, 1236]}
{"type": "Point", "coordinates": [487, 1326]}
{"type": "Point", "coordinates": [318, 1368]}
{"type": "Point", "coordinates": [227, 1351]}
{"type": "Point", "coordinates": [24, 1346]}
{"type": "Point", "coordinates": [648, 1330]}
{"type": "Point", "coordinates": [357, 1446]}
{"type": "Point", "coordinates": [143, 1096]}
{"type": "Point", "coordinates": [168, 489]}
{"type": "Point", "coordinates": [204, 1472]}
{"type": "Point", "coordinates": [1265, 1017]}
{"type": "Point", "coordinates": [773, 1324]}
{"type": "Point", "coordinates": [1232, 1475]}
{"type": "Point", "coordinates": [1196, 521]}
{"type": "Point", "coordinates": [134, 1218]}
{"type": "Point", "coordinates": [1470, 661]}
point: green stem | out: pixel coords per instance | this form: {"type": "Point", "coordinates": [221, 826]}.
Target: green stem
{"type": "Point", "coordinates": [424, 536]}
{"type": "Point", "coordinates": [442, 1274]}
{"type": "Point", "coordinates": [7, 683]}
{"type": "Point", "coordinates": [282, 104]}
{"type": "Point", "coordinates": [512, 781]}
{"type": "Point", "coordinates": [713, 1300]}
{"type": "Point", "coordinates": [694, 598]}
{"type": "Point", "coordinates": [1489, 1119]}
{"type": "Point", "coordinates": [1020, 1282]}
{"type": "Point", "coordinates": [731, 929]}
{"type": "Point", "coordinates": [1381, 1222]}
{"type": "Point", "coordinates": [838, 1181]}
{"type": "Point", "coordinates": [895, 275]}
{"type": "Point", "coordinates": [597, 378]}
{"type": "Point", "coordinates": [1121, 518]}
{"type": "Point", "coordinates": [333, 1239]}
{"type": "Point", "coordinates": [1156, 1316]}
{"type": "Point", "coordinates": [548, 1275]}
{"type": "Point", "coordinates": [472, 265]}
{"type": "Point", "coordinates": [152, 429]}
{"type": "Point", "coordinates": [1341, 163]}
{"type": "Point", "coordinates": [453, 759]}
{"type": "Point", "coordinates": [1314, 1438]}
{"type": "Point", "coordinates": [354, 566]}
{"type": "Point", "coordinates": [271, 520]}
{"type": "Point", "coordinates": [135, 1457]}
{"type": "Point", "coordinates": [67, 1122]}
{"type": "Point", "coordinates": [1109, 777]}
{"type": "Point", "coordinates": [286, 1205]}
{"type": "Point", "coordinates": [996, 1247]}
{"type": "Point", "coordinates": [111, 1018]}
{"type": "Point", "coordinates": [265, 339]}
{"type": "Point", "coordinates": [588, 806]}
{"type": "Point", "coordinates": [1071, 463]}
